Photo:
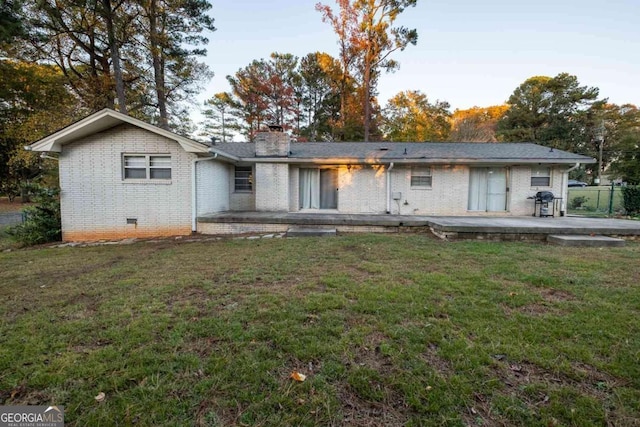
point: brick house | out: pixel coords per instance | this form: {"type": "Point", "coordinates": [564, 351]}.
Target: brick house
{"type": "Point", "coordinates": [121, 177]}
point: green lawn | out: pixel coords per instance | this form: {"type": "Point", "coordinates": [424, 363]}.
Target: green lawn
{"type": "Point", "coordinates": [389, 329]}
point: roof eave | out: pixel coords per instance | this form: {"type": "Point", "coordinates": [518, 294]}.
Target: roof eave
{"type": "Point", "coordinates": [101, 121]}
{"type": "Point", "coordinates": [378, 161]}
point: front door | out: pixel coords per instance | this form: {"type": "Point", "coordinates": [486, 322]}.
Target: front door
{"type": "Point", "coordinates": [488, 189]}
{"type": "Point", "coordinates": [318, 189]}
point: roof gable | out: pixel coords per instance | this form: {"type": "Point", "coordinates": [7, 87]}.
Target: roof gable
{"type": "Point", "coordinates": [101, 121]}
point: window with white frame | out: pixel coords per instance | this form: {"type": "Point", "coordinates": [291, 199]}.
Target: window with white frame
{"type": "Point", "coordinates": [243, 179]}
{"type": "Point", "coordinates": [541, 176]}
{"type": "Point", "coordinates": [421, 177]}
{"type": "Point", "coordinates": [146, 166]}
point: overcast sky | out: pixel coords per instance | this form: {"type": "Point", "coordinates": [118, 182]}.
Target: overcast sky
{"type": "Point", "coordinates": [469, 52]}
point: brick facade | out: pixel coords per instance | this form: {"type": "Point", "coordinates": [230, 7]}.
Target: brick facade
{"type": "Point", "coordinates": [96, 201]}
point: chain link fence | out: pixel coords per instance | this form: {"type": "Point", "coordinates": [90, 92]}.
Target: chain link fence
{"type": "Point", "coordinates": [595, 201]}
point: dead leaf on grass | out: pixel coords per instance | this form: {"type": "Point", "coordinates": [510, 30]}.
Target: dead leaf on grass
{"type": "Point", "coordinates": [297, 376]}
{"type": "Point", "coordinates": [100, 397]}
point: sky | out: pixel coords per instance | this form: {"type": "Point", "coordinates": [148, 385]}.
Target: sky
{"type": "Point", "coordinates": [469, 52]}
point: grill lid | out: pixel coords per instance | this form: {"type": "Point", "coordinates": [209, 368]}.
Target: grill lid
{"type": "Point", "coordinates": [545, 196]}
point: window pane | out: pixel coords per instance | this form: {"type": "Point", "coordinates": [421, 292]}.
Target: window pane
{"type": "Point", "coordinates": [243, 178]}
{"type": "Point", "coordinates": [135, 173]}
{"type": "Point", "coordinates": [160, 173]}
{"type": "Point", "coordinates": [420, 171]}
{"type": "Point", "coordinates": [540, 181]}
{"type": "Point", "coordinates": [135, 161]}
{"type": "Point", "coordinates": [161, 161]}
{"type": "Point", "coordinates": [540, 176]}
{"type": "Point", "coordinates": [421, 181]}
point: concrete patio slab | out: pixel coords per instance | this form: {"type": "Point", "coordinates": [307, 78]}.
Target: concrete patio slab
{"type": "Point", "coordinates": [468, 227]}
{"type": "Point", "coordinates": [586, 241]}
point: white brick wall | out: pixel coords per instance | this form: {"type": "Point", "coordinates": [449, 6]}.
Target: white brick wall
{"type": "Point", "coordinates": [521, 189]}
{"type": "Point", "coordinates": [272, 187]}
{"type": "Point", "coordinates": [96, 201]}
{"type": "Point", "coordinates": [294, 189]}
{"type": "Point", "coordinates": [213, 186]}
{"type": "Point", "coordinates": [363, 190]}
{"type": "Point", "coordinates": [448, 194]}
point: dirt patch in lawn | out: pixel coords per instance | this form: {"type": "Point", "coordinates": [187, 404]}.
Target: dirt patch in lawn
{"type": "Point", "coordinates": [360, 413]}
{"type": "Point", "coordinates": [389, 407]}
{"type": "Point", "coordinates": [370, 353]}
{"type": "Point", "coordinates": [436, 362]}
{"type": "Point", "coordinates": [209, 412]}
{"type": "Point", "coordinates": [23, 395]}
{"type": "Point", "coordinates": [516, 376]}
{"type": "Point", "coordinates": [555, 295]}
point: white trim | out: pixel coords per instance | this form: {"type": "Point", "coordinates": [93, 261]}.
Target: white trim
{"type": "Point", "coordinates": [107, 119]}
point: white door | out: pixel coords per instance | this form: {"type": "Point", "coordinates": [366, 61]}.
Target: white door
{"type": "Point", "coordinates": [488, 189]}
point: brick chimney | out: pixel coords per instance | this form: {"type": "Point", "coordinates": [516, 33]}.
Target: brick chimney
{"type": "Point", "coordinates": [274, 143]}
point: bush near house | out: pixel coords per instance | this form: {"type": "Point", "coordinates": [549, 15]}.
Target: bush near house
{"type": "Point", "coordinates": [43, 222]}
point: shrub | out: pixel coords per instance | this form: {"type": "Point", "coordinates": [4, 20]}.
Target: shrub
{"type": "Point", "coordinates": [42, 222]}
{"type": "Point", "coordinates": [578, 202]}
{"type": "Point", "coordinates": [631, 196]}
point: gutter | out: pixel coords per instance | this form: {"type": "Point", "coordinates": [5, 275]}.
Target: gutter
{"type": "Point", "coordinates": [412, 161]}
{"type": "Point", "coordinates": [44, 155]}
{"type": "Point", "coordinates": [565, 189]}
{"type": "Point", "coordinates": [194, 190]}
{"type": "Point", "coordinates": [388, 171]}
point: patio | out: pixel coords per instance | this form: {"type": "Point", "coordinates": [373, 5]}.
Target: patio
{"type": "Point", "coordinates": [468, 227]}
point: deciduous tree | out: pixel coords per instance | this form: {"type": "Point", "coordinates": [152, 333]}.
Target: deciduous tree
{"type": "Point", "coordinates": [367, 38]}
{"type": "Point", "coordinates": [410, 117]}
{"type": "Point", "coordinates": [34, 102]}
{"type": "Point", "coordinates": [476, 124]}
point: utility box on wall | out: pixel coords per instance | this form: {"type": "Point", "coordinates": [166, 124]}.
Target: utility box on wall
{"type": "Point", "coordinates": [396, 196]}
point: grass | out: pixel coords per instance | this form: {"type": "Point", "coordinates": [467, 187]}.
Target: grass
{"type": "Point", "coordinates": [389, 329]}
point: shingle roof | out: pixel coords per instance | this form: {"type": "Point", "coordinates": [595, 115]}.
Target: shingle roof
{"type": "Point", "coordinates": [432, 152]}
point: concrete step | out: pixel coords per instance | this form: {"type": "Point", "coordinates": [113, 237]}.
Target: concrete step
{"type": "Point", "coordinates": [310, 231]}
{"type": "Point", "coordinates": [585, 240]}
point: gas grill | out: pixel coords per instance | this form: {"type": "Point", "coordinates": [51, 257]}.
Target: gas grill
{"type": "Point", "coordinates": [544, 203]}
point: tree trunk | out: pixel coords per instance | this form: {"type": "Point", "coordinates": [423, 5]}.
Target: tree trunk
{"type": "Point", "coordinates": [367, 96]}
{"type": "Point", "coordinates": [158, 69]}
{"type": "Point", "coordinates": [115, 56]}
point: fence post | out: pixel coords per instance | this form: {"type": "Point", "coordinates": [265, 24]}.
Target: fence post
{"type": "Point", "coordinates": [611, 198]}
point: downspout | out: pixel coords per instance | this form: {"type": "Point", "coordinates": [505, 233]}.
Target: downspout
{"type": "Point", "coordinates": [389, 169]}
{"type": "Point", "coordinates": [565, 192]}
{"type": "Point", "coordinates": [194, 191]}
